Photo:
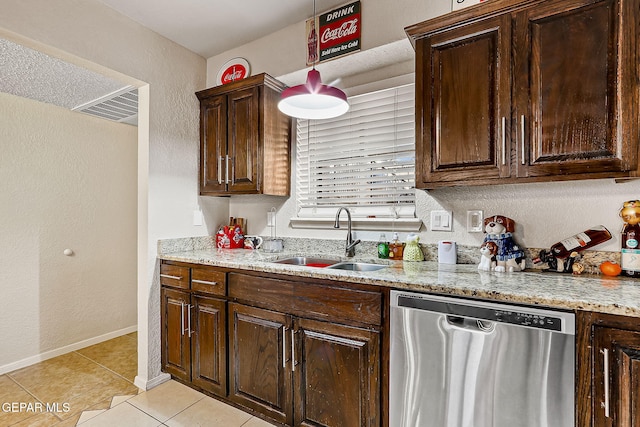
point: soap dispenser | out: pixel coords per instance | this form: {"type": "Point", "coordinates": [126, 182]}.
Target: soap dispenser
{"type": "Point", "coordinates": [396, 248]}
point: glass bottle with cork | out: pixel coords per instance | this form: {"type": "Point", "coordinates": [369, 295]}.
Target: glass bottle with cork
{"type": "Point", "coordinates": [581, 241]}
{"type": "Point", "coordinates": [630, 246]}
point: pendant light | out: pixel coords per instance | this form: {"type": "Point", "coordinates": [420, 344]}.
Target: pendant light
{"type": "Point", "coordinates": [313, 100]}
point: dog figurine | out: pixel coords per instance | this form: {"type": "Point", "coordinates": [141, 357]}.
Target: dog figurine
{"type": "Point", "coordinates": [488, 252]}
{"type": "Point", "coordinates": [509, 256]}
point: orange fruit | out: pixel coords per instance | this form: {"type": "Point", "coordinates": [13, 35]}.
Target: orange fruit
{"type": "Point", "coordinates": [609, 268]}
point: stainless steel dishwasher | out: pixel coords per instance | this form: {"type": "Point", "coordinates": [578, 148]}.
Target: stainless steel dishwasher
{"type": "Point", "coordinates": [465, 363]}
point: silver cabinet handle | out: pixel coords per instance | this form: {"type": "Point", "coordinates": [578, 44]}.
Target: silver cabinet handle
{"type": "Point", "coordinates": [504, 140]}
{"type": "Point", "coordinates": [522, 138]}
{"type": "Point", "coordinates": [181, 318]}
{"type": "Point", "coordinates": [189, 307]}
{"type": "Point", "coordinates": [605, 404]}
{"type": "Point", "coordinates": [168, 276]}
{"type": "Point", "coordinates": [226, 169]}
{"type": "Point", "coordinates": [293, 350]}
{"type": "Point", "coordinates": [204, 282]}
{"type": "Point", "coordinates": [233, 170]}
{"type": "Point", "coordinates": [284, 346]}
{"type": "Point", "coordinates": [219, 169]}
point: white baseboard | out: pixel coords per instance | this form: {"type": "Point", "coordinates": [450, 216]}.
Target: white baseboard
{"type": "Point", "coordinates": [63, 350]}
{"type": "Point", "coordinates": [145, 384]}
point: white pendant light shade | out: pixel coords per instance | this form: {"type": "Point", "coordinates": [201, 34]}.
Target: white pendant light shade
{"type": "Point", "coordinates": [313, 100]}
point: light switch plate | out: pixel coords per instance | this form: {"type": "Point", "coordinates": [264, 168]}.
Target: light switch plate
{"type": "Point", "coordinates": [475, 221]}
{"type": "Point", "coordinates": [441, 220]}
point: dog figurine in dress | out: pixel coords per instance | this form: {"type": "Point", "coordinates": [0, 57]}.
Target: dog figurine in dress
{"type": "Point", "coordinates": [488, 252]}
{"type": "Point", "coordinates": [499, 230]}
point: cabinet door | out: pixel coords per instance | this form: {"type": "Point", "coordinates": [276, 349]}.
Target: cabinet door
{"type": "Point", "coordinates": [243, 137]}
{"type": "Point", "coordinates": [463, 92]}
{"type": "Point", "coordinates": [208, 345]}
{"type": "Point", "coordinates": [336, 375]}
{"type": "Point", "coordinates": [574, 92]}
{"type": "Point", "coordinates": [176, 351]}
{"type": "Point", "coordinates": [213, 145]}
{"type": "Point", "coordinates": [616, 378]}
{"type": "Point", "coordinates": [260, 377]}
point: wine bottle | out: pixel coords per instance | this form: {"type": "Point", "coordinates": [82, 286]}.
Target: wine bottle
{"type": "Point", "coordinates": [581, 241]}
{"type": "Point", "coordinates": [630, 260]}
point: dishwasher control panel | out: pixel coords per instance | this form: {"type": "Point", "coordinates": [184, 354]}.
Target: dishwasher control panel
{"type": "Point", "coordinates": [526, 319]}
{"type": "Point", "coordinates": [483, 310]}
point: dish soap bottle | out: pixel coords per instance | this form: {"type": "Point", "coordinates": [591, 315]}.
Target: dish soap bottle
{"type": "Point", "coordinates": [412, 251]}
{"type": "Point", "coordinates": [383, 247]}
{"type": "Point", "coordinates": [396, 248]}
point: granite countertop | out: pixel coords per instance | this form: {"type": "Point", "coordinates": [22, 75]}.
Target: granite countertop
{"type": "Point", "coordinates": [614, 295]}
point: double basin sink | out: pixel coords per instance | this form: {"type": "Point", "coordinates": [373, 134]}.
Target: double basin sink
{"type": "Point", "coordinates": [330, 263]}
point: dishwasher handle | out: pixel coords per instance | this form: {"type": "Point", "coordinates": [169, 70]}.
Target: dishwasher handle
{"type": "Point", "coordinates": [473, 325]}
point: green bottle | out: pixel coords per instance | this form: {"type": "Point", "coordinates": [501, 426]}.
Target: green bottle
{"type": "Point", "coordinates": [383, 247]}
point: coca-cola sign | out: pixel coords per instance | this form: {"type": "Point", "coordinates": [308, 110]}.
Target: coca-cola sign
{"type": "Point", "coordinates": [233, 70]}
{"type": "Point", "coordinates": [345, 30]}
{"type": "Point", "coordinates": [338, 32]}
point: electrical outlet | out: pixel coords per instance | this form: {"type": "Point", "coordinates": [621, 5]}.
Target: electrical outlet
{"type": "Point", "coordinates": [441, 220]}
{"type": "Point", "coordinates": [475, 221]}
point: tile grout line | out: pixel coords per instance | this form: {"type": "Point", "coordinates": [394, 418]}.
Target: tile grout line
{"type": "Point", "coordinates": [104, 367]}
{"type": "Point", "coordinates": [8, 375]}
{"type": "Point", "coordinates": [107, 369]}
{"type": "Point", "coordinates": [162, 422]}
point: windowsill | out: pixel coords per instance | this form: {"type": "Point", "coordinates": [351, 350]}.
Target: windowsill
{"type": "Point", "coordinates": [371, 224]}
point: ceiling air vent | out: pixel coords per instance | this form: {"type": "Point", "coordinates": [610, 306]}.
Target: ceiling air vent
{"type": "Point", "coordinates": [120, 106]}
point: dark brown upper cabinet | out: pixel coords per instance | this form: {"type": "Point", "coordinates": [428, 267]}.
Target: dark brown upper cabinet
{"type": "Point", "coordinates": [526, 92]}
{"type": "Point", "coordinates": [245, 140]}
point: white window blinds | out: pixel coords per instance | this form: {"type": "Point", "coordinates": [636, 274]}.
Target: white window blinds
{"type": "Point", "coordinates": [364, 160]}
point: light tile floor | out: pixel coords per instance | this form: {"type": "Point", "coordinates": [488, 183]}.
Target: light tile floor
{"type": "Point", "coordinates": [97, 385]}
{"type": "Point", "coordinates": [173, 405]}
{"type": "Point", "coordinates": [86, 379]}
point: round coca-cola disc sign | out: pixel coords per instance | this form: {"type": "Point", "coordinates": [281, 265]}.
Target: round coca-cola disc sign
{"type": "Point", "coordinates": [233, 70]}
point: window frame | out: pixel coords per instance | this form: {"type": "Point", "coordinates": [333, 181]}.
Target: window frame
{"type": "Point", "coordinates": [401, 216]}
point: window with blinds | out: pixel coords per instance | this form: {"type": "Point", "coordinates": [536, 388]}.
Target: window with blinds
{"type": "Point", "coordinates": [364, 160]}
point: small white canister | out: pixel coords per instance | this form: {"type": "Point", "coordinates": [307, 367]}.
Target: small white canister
{"type": "Point", "coordinates": [447, 252]}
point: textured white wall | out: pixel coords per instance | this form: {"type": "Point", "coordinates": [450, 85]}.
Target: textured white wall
{"type": "Point", "coordinates": [68, 181]}
{"type": "Point", "coordinates": [284, 52]}
{"type": "Point", "coordinates": [544, 213]}
{"type": "Point", "coordinates": [89, 33]}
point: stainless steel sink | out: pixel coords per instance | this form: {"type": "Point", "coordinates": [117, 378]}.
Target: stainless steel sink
{"type": "Point", "coordinates": [308, 261]}
{"type": "Point", "coordinates": [357, 266]}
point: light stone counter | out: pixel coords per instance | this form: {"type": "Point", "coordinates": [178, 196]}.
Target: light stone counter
{"type": "Point", "coordinates": [587, 292]}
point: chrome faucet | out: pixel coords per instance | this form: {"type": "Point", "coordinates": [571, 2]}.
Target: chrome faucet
{"type": "Point", "coordinates": [350, 249]}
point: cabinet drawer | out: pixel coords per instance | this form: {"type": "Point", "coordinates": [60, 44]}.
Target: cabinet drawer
{"type": "Point", "coordinates": [175, 276]}
{"type": "Point", "coordinates": [208, 280]}
{"type": "Point", "coordinates": [309, 300]}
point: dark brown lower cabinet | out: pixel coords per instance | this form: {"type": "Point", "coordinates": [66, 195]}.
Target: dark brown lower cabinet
{"type": "Point", "coordinates": [609, 369]}
{"type": "Point", "coordinates": [208, 345]}
{"type": "Point", "coordinates": [336, 371]}
{"type": "Point", "coordinates": [176, 345]}
{"type": "Point", "coordinates": [260, 377]}
{"type": "Point", "coordinates": [297, 352]}
{"type": "Point", "coordinates": [303, 372]}
{"type": "Point", "coordinates": [194, 339]}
